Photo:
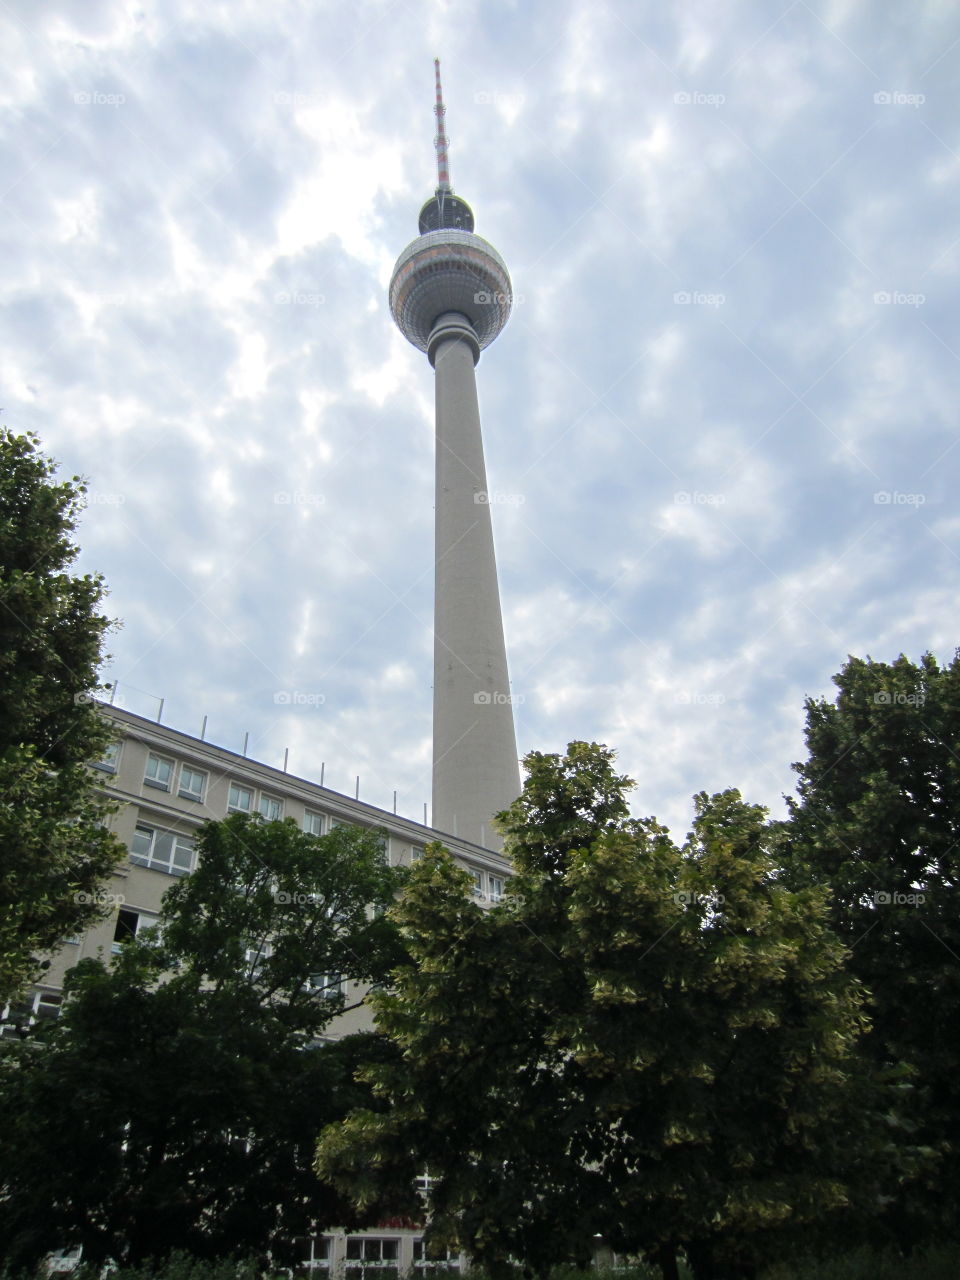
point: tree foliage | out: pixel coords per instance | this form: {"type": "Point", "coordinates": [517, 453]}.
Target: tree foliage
{"type": "Point", "coordinates": [176, 1103]}
{"type": "Point", "coordinates": [56, 852]}
{"type": "Point", "coordinates": [650, 1043]}
{"type": "Point", "coordinates": [878, 820]}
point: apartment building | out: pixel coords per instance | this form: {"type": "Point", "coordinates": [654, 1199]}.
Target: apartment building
{"type": "Point", "coordinates": [167, 784]}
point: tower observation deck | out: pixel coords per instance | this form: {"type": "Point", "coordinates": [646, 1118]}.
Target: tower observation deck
{"type": "Point", "coordinates": [450, 295]}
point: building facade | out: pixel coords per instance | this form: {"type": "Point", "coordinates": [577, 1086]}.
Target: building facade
{"type": "Point", "coordinates": [166, 785]}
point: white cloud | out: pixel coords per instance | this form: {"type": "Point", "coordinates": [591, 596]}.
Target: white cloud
{"type": "Point", "coordinates": [150, 244]}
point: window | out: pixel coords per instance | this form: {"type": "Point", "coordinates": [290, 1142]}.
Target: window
{"type": "Point", "coordinates": [496, 888]}
{"type": "Point", "coordinates": [313, 823]}
{"type": "Point", "coordinates": [328, 986]}
{"type": "Point", "coordinates": [64, 1261]}
{"type": "Point", "coordinates": [193, 784]}
{"type": "Point", "coordinates": [448, 1260]}
{"type": "Point", "coordinates": [415, 855]}
{"type": "Point", "coordinates": [130, 924]}
{"type": "Point", "coordinates": [240, 799]}
{"type": "Point", "coordinates": [159, 772]}
{"type": "Point", "coordinates": [314, 1253]}
{"type": "Point", "coordinates": [166, 851]}
{"type": "Point", "coordinates": [477, 882]}
{"type": "Point", "coordinates": [373, 1253]}
{"type": "Point", "coordinates": [42, 1006]}
{"type": "Point", "coordinates": [47, 1006]}
{"type": "Point", "coordinates": [110, 759]}
{"type": "Point", "coordinates": [254, 957]}
{"type": "Point", "coordinates": [270, 808]}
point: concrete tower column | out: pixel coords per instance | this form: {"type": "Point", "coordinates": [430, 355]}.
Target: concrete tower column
{"type": "Point", "coordinates": [475, 769]}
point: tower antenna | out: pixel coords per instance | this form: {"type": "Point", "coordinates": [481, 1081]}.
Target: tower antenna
{"type": "Point", "coordinates": [440, 142]}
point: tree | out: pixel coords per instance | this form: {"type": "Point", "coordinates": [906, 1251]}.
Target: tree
{"type": "Point", "coordinates": [649, 1043]}
{"type": "Point", "coordinates": [878, 819]}
{"type": "Point", "coordinates": [176, 1102]}
{"type": "Point", "coordinates": [721, 1034]}
{"type": "Point", "coordinates": [56, 852]}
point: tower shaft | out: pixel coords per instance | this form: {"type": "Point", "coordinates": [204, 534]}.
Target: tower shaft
{"type": "Point", "coordinates": [475, 769]}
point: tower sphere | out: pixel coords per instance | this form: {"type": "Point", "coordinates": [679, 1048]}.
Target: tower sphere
{"type": "Point", "coordinates": [450, 270]}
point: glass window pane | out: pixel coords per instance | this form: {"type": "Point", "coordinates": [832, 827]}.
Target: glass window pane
{"type": "Point", "coordinates": [191, 783]}
{"type": "Point", "coordinates": [159, 772]}
{"type": "Point", "coordinates": [110, 758]}
{"type": "Point", "coordinates": [142, 841]}
{"type": "Point", "coordinates": [48, 1006]}
{"type": "Point", "coordinates": [241, 798]}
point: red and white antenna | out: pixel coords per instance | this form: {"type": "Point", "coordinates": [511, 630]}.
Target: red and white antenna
{"type": "Point", "coordinates": [440, 142]}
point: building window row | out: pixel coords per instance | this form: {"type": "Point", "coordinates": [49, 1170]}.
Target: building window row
{"type": "Point", "coordinates": [372, 1253]}
{"type": "Point", "coordinates": [162, 774]}
{"type": "Point", "coordinates": [486, 886]}
{"type": "Point", "coordinates": [241, 800]}
{"type": "Point", "coordinates": [377, 1254]}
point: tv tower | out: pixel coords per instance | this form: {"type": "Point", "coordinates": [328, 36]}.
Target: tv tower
{"type": "Point", "coordinates": [450, 295]}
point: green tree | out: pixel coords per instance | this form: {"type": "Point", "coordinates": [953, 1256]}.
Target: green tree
{"type": "Point", "coordinates": [56, 853]}
{"type": "Point", "coordinates": [721, 1035]}
{"type": "Point", "coordinates": [175, 1104]}
{"type": "Point", "coordinates": [878, 819]}
{"type": "Point", "coordinates": [648, 1043]}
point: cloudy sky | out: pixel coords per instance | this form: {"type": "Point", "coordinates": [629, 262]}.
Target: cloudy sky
{"type": "Point", "coordinates": [721, 426]}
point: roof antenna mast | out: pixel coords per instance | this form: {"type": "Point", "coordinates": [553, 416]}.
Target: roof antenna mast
{"type": "Point", "coordinates": [440, 142]}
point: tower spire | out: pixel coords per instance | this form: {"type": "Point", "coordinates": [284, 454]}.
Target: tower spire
{"type": "Point", "coordinates": [440, 142]}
